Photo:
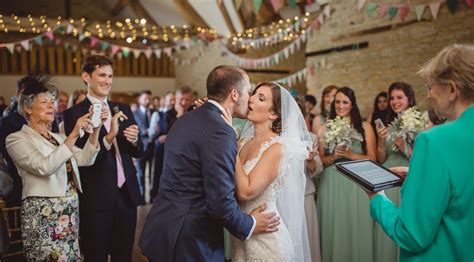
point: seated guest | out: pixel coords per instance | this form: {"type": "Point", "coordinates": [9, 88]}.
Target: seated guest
{"type": "Point", "coordinates": [435, 219]}
{"type": "Point", "coordinates": [47, 164]}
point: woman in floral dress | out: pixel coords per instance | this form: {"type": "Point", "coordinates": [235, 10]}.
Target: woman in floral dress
{"type": "Point", "coordinates": [47, 164]}
{"type": "Point", "coordinates": [345, 227]}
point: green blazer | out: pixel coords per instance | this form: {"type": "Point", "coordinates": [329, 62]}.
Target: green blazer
{"type": "Point", "coordinates": [435, 221]}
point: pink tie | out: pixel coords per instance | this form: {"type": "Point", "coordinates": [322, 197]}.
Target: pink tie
{"type": "Point", "coordinates": [120, 173]}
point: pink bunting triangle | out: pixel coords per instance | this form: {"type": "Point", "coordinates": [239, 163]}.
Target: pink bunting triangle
{"type": "Point", "coordinates": [157, 53]}
{"type": "Point", "coordinates": [168, 51]}
{"type": "Point", "coordinates": [18, 48]}
{"type": "Point", "coordinates": [114, 49]}
{"type": "Point", "coordinates": [404, 9]}
{"type": "Point", "coordinates": [25, 44]}
{"type": "Point", "coordinates": [361, 4]}
{"type": "Point", "coordinates": [148, 52]}
{"type": "Point", "coordinates": [276, 5]}
{"type": "Point", "coordinates": [57, 41]}
{"type": "Point", "coordinates": [434, 7]}
{"type": "Point", "coordinates": [469, 3]}
{"type": "Point", "coordinates": [49, 35]}
{"type": "Point", "coordinates": [383, 10]}
{"type": "Point", "coordinates": [94, 41]}
{"type": "Point", "coordinates": [315, 24]}
{"type": "Point", "coordinates": [321, 18]}
{"type": "Point", "coordinates": [69, 28]}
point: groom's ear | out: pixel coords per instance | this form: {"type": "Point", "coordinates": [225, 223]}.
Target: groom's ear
{"type": "Point", "coordinates": [234, 95]}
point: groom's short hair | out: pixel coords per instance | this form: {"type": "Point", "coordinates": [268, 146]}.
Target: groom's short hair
{"type": "Point", "coordinates": [222, 80]}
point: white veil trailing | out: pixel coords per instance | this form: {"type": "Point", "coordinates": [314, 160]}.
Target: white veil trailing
{"type": "Point", "coordinates": [296, 143]}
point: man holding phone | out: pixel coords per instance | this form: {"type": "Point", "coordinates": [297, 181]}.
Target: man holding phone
{"type": "Point", "coordinates": [108, 204]}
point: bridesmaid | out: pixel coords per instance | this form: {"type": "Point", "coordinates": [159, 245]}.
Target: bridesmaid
{"type": "Point", "coordinates": [326, 100]}
{"type": "Point", "coordinates": [346, 230]}
{"type": "Point", "coordinates": [401, 98]}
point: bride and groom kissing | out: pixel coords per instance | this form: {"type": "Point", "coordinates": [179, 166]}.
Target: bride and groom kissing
{"type": "Point", "coordinates": [204, 171]}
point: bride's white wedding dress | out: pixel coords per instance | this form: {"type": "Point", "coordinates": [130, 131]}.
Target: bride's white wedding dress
{"type": "Point", "coordinates": [276, 246]}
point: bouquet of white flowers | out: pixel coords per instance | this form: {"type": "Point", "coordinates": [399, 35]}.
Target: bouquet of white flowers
{"type": "Point", "coordinates": [407, 126]}
{"type": "Point", "coordinates": [338, 133]}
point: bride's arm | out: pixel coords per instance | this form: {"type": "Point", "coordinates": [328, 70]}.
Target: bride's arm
{"type": "Point", "coordinates": [262, 175]}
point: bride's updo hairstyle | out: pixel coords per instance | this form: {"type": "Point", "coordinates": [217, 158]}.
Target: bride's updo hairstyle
{"type": "Point", "coordinates": [276, 101]}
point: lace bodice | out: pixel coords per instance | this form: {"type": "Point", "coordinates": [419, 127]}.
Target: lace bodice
{"type": "Point", "coordinates": [268, 196]}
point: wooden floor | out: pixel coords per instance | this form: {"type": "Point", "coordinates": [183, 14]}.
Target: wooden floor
{"type": "Point", "coordinates": [141, 216]}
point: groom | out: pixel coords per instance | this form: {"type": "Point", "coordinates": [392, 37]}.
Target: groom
{"type": "Point", "coordinates": [196, 196]}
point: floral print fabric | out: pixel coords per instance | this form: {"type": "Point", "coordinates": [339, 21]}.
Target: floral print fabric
{"type": "Point", "coordinates": [50, 227]}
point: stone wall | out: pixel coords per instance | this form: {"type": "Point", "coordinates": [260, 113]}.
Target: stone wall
{"type": "Point", "coordinates": [395, 50]}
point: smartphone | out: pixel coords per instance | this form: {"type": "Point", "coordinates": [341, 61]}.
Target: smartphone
{"type": "Point", "coordinates": [96, 112]}
{"type": "Point", "coordinates": [378, 124]}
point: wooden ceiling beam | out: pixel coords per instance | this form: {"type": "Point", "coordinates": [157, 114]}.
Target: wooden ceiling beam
{"type": "Point", "coordinates": [227, 19]}
{"type": "Point", "coordinates": [190, 14]}
{"type": "Point", "coordinates": [119, 7]}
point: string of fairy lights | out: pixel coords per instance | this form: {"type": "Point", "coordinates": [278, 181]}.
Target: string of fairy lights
{"type": "Point", "coordinates": [133, 30]}
{"type": "Point", "coordinates": [129, 30]}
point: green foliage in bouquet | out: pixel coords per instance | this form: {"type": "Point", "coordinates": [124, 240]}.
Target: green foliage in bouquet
{"type": "Point", "coordinates": [339, 132]}
{"type": "Point", "coordinates": [407, 126]}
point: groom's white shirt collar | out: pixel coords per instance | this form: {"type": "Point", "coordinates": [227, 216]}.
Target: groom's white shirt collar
{"type": "Point", "coordinates": [214, 102]}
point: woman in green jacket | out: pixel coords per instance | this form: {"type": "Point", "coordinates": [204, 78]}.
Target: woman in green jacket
{"type": "Point", "coordinates": [435, 221]}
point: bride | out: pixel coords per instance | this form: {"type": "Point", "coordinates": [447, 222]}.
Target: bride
{"type": "Point", "coordinates": [269, 169]}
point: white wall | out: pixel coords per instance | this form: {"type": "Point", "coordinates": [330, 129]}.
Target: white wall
{"type": "Point", "coordinates": [158, 86]}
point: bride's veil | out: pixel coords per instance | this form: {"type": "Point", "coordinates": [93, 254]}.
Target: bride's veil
{"type": "Point", "coordinates": [296, 143]}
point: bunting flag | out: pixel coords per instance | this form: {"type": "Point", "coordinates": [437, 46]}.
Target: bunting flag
{"type": "Point", "coordinates": [157, 53]}
{"type": "Point", "coordinates": [94, 41]}
{"type": "Point", "coordinates": [104, 46]}
{"type": "Point", "coordinates": [136, 53]}
{"type": "Point", "coordinates": [327, 10]}
{"type": "Point", "coordinates": [292, 4]}
{"type": "Point", "coordinates": [276, 4]}
{"type": "Point", "coordinates": [125, 51]}
{"type": "Point", "coordinates": [469, 3]}
{"type": "Point", "coordinates": [392, 12]}
{"type": "Point", "coordinates": [10, 47]}
{"type": "Point", "coordinates": [434, 7]}
{"type": "Point", "coordinates": [371, 7]}
{"type": "Point", "coordinates": [25, 44]}
{"type": "Point", "coordinates": [257, 4]}
{"type": "Point", "coordinates": [452, 5]}
{"type": "Point", "coordinates": [168, 51]}
{"type": "Point", "coordinates": [69, 28]}
{"type": "Point", "coordinates": [49, 35]}
{"type": "Point", "coordinates": [361, 4]}
{"type": "Point", "coordinates": [294, 78]}
{"type": "Point", "coordinates": [114, 49]}
{"type": "Point", "coordinates": [39, 40]}
{"type": "Point", "coordinates": [383, 10]}
{"type": "Point", "coordinates": [420, 9]}
{"type": "Point", "coordinates": [81, 37]}
{"type": "Point", "coordinates": [404, 9]}
{"type": "Point", "coordinates": [148, 52]}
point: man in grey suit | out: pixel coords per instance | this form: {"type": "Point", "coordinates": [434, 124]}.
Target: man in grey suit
{"type": "Point", "coordinates": [196, 198]}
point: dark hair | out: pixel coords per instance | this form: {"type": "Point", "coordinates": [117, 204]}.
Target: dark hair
{"type": "Point", "coordinates": [300, 102]}
{"type": "Point", "coordinates": [144, 92]}
{"type": "Point", "coordinates": [407, 90]}
{"type": "Point", "coordinates": [356, 118]}
{"type": "Point", "coordinates": [91, 63]}
{"type": "Point", "coordinates": [326, 90]}
{"type": "Point", "coordinates": [376, 100]}
{"type": "Point", "coordinates": [222, 80]}
{"type": "Point", "coordinates": [276, 103]}
{"type": "Point", "coordinates": [311, 99]}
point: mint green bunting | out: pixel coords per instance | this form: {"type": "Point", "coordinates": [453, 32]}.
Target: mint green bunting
{"type": "Point", "coordinates": [39, 40]}
{"type": "Point", "coordinates": [125, 52]}
{"type": "Point", "coordinates": [371, 7]}
{"type": "Point", "coordinates": [257, 4]}
{"type": "Point", "coordinates": [104, 46]}
{"type": "Point", "coordinates": [292, 4]}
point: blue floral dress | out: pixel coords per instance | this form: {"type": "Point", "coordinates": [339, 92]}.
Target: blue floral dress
{"type": "Point", "coordinates": [50, 225]}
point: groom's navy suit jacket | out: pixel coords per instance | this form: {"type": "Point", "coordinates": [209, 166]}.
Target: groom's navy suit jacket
{"type": "Point", "coordinates": [196, 198]}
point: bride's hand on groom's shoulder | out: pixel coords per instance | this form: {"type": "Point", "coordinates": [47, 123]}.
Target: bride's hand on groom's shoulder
{"type": "Point", "coordinates": [265, 222]}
